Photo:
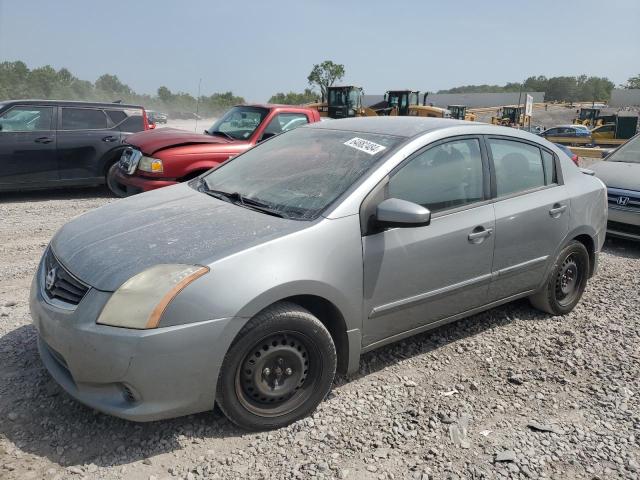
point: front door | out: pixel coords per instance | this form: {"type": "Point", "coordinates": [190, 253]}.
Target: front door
{"type": "Point", "coordinates": [532, 215]}
{"type": "Point", "coordinates": [416, 276]}
{"type": "Point", "coordinates": [28, 146]}
{"type": "Point", "coordinates": [84, 136]}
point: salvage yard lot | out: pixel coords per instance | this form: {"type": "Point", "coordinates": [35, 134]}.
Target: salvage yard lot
{"type": "Point", "coordinates": [439, 405]}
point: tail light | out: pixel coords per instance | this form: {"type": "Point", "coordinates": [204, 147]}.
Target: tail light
{"type": "Point", "coordinates": [145, 120]}
{"type": "Point", "coordinates": [576, 159]}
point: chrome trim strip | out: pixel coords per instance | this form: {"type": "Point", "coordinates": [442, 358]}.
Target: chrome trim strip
{"type": "Point", "coordinates": [514, 269]}
{"type": "Point", "coordinates": [431, 295]}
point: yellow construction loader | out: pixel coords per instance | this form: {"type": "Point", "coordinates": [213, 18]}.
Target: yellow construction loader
{"type": "Point", "coordinates": [459, 112]}
{"type": "Point", "coordinates": [589, 116]}
{"type": "Point", "coordinates": [343, 102]}
{"type": "Point", "coordinates": [511, 116]}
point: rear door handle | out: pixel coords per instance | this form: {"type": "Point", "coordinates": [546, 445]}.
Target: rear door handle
{"type": "Point", "coordinates": [478, 234]}
{"type": "Point", "coordinates": [43, 140]}
{"type": "Point", "coordinates": [557, 210]}
{"type": "Point", "coordinates": [109, 138]}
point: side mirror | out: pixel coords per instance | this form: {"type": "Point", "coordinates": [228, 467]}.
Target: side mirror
{"type": "Point", "coordinates": [394, 212]}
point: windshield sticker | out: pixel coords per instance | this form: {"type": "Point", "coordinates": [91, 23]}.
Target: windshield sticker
{"type": "Point", "coordinates": [364, 145]}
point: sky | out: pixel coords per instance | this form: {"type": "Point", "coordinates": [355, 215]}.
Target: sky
{"type": "Point", "coordinates": [256, 48]}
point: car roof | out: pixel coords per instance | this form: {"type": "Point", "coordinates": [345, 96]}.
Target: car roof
{"type": "Point", "coordinates": [68, 103]}
{"type": "Point", "coordinates": [397, 126]}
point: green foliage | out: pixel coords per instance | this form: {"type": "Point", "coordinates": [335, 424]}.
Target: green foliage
{"type": "Point", "coordinates": [633, 82]}
{"type": "Point", "coordinates": [571, 89]}
{"type": "Point", "coordinates": [324, 75]}
{"type": "Point", "coordinates": [293, 98]}
{"type": "Point", "coordinates": [17, 81]}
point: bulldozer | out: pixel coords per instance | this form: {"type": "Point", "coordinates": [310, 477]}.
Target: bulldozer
{"type": "Point", "coordinates": [459, 112]}
{"type": "Point", "coordinates": [343, 102]}
{"type": "Point", "coordinates": [511, 116]}
{"type": "Point", "coordinates": [589, 116]}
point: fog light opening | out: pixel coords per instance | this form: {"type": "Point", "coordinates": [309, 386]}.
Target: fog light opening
{"type": "Point", "coordinates": [128, 394]}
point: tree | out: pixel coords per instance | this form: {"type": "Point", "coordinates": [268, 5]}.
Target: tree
{"type": "Point", "coordinates": [111, 84]}
{"type": "Point", "coordinates": [633, 82]}
{"type": "Point", "coordinates": [325, 75]}
{"type": "Point", "coordinates": [164, 94]}
{"type": "Point", "coordinates": [293, 98]}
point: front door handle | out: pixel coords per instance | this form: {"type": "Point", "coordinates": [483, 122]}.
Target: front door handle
{"type": "Point", "coordinates": [110, 138]}
{"type": "Point", "coordinates": [478, 234]}
{"type": "Point", "coordinates": [43, 140]}
{"type": "Point", "coordinates": [557, 210]}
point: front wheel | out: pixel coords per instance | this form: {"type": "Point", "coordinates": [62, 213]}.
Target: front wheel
{"type": "Point", "coordinates": [566, 281]}
{"type": "Point", "coordinates": [113, 185]}
{"type": "Point", "coordinates": [279, 368]}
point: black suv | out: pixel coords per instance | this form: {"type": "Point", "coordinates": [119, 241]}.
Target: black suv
{"type": "Point", "coordinates": [51, 143]}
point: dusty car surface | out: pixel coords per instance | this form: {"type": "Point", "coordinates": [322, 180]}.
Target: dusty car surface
{"type": "Point", "coordinates": [251, 285]}
{"type": "Point", "coordinates": [620, 171]}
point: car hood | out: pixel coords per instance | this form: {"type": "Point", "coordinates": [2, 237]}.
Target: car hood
{"type": "Point", "coordinates": [107, 246]}
{"type": "Point", "coordinates": [618, 174]}
{"type": "Point", "coordinates": [151, 141]}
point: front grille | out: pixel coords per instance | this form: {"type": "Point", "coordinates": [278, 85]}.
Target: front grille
{"type": "Point", "coordinates": [619, 199]}
{"type": "Point", "coordinates": [59, 283]}
{"type": "Point", "coordinates": [623, 228]}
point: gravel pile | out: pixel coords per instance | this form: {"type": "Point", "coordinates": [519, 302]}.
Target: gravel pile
{"type": "Point", "coordinates": [510, 393]}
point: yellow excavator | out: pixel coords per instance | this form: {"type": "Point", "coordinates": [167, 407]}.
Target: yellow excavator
{"type": "Point", "coordinates": [343, 102]}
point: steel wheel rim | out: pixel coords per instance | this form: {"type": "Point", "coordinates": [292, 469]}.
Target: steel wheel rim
{"type": "Point", "coordinates": [278, 374]}
{"type": "Point", "coordinates": [568, 280]}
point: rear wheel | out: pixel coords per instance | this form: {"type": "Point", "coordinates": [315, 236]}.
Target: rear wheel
{"type": "Point", "coordinates": [566, 281]}
{"type": "Point", "coordinates": [279, 368]}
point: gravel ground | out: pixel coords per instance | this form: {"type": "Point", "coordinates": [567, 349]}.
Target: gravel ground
{"type": "Point", "coordinates": [510, 393]}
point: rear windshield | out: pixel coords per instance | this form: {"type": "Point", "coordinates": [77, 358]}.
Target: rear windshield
{"type": "Point", "coordinates": [301, 172]}
{"type": "Point", "coordinates": [629, 152]}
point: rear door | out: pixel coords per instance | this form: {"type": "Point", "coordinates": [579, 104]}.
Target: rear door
{"type": "Point", "coordinates": [532, 214]}
{"type": "Point", "coordinates": [85, 135]}
{"type": "Point", "coordinates": [28, 145]}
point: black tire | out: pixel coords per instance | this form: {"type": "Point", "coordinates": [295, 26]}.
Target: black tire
{"type": "Point", "coordinates": [278, 369]}
{"type": "Point", "coordinates": [114, 186]}
{"type": "Point", "coordinates": [566, 281]}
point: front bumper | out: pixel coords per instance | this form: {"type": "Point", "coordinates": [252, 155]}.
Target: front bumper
{"type": "Point", "coordinates": [132, 184]}
{"type": "Point", "coordinates": [139, 375]}
{"type": "Point", "coordinates": [623, 222]}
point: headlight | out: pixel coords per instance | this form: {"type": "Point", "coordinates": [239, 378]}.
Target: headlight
{"type": "Point", "coordinates": [150, 164]}
{"type": "Point", "coordinates": [141, 300]}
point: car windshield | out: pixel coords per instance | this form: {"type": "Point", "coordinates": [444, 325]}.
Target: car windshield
{"type": "Point", "coordinates": [239, 123]}
{"type": "Point", "coordinates": [629, 152]}
{"type": "Point", "coordinates": [299, 173]}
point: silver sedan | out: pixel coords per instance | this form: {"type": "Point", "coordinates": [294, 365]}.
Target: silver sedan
{"type": "Point", "coordinates": [251, 285]}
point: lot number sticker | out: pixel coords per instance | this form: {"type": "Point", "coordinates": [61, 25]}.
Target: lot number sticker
{"type": "Point", "coordinates": [364, 145]}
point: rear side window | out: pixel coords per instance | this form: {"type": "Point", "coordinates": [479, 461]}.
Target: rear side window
{"type": "Point", "coordinates": [116, 116]}
{"type": "Point", "coordinates": [549, 168]}
{"type": "Point", "coordinates": [132, 124]}
{"type": "Point", "coordinates": [445, 176]}
{"type": "Point", "coordinates": [518, 166]}
{"type": "Point", "coordinates": [27, 118]}
{"type": "Point", "coordinates": [83, 119]}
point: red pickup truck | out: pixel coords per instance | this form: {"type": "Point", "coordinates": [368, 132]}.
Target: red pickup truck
{"type": "Point", "coordinates": [165, 156]}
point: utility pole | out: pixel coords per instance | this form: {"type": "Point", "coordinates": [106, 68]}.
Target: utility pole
{"type": "Point", "coordinates": [198, 104]}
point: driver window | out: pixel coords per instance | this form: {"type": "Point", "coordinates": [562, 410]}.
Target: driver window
{"type": "Point", "coordinates": [446, 176]}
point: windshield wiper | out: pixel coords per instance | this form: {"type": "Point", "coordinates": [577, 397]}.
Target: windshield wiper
{"type": "Point", "coordinates": [239, 199]}
{"type": "Point", "coordinates": [223, 133]}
